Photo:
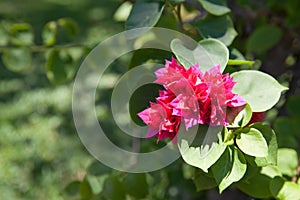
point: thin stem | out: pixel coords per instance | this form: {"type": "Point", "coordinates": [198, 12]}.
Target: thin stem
{"type": "Point", "coordinates": [40, 48]}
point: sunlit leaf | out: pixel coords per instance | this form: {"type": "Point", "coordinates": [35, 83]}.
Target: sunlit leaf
{"type": "Point", "coordinates": [287, 161]}
{"type": "Point", "coordinates": [49, 33]}
{"type": "Point", "coordinates": [260, 90]}
{"type": "Point", "coordinates": [285, 190]}
{"type": "Point", "coordinates": [21, 34]}
{"type": "Point", "coordinates": [215, 7]}
{"type": "Point", "coordinates": [230, 168]}
{"type": "Point", "coordinates": [208, 53]}
{"type": "Point", "coordinates": [252, 142]}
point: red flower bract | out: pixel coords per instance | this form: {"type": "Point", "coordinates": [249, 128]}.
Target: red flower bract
{"type": "Point", "coordinates": [198, 98]}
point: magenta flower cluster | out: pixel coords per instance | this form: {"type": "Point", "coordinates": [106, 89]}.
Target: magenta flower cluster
{"type": "Point", "coordinates": [190, 95]}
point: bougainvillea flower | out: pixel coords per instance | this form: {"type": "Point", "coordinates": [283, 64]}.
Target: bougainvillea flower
{"type": "Point", "coordinates": [195, 97]}
{"type": "Point", "coordinates": [257, 117]}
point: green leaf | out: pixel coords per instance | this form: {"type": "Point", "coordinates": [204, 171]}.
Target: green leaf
{"type": "Point", "coordinates": [230, 168]}
{"type": "Point", "coordinates": [136, 185]}
{"type": "Point", "coordinates": [242, 118]}
{"type": "Point", "coordinates": [204, 181]}
{"type": "Point", "coordinates": [287, 161]}
{"type": "Point", "coordinates": [85, 189]}
{"type": "Point", "coordinates": [142, 56]}
{"type": "Point", "coordinates": [270, 137]}
{"type": "Point", "coordinates": [287, 130]}
{"type": "Point", "coordinates": [17, 59]}
{"type": "Point", "coordinates": [96, 183]}
{"type": "Point", "coordinates": [284, 190]}
{"type": "Point", "coordinates": [140, 99]}
{"type": "Point", "coordinates": [96, 168]}
{"type": "Point", "coordinates": [293, 105]}
{"type": "Point", "coordinates": [257, 186]}
{"type": "Point", "coordinates": [60, 66]}
{"type": "Point", "coordinates": [271, 171]}
{"type": "Point", "coordinates": [49, 33]}
{"type": "Point", "coordinates": [3, 36]}
{"type": "Point", "coordinates": [21, 34]}
{"type": "Point", "coordinates": [113, 189]}
{"type": "Point", "coordinates": [144, 14]}
{"type": "Point", "coordinates": [252, 142]}
{"type": "Point", "coordinates": [263, 38]}
{"type": "Point", "coordinates": [69, 25]}
{"type": "Point", "coordinates": [208, 53]}
{"type": "Point", "coordinates": [72, 188]}
{"type": "Point", "coordinates": [260, 90]}
{"type": "Point", "coordinates": [218, 27]}
{"type": "Point", "coordinates": [123, 12]}
{"type": "Point", "coordinates": [207, 153]}
{"type": "Point", "coordinates": [215, 7]}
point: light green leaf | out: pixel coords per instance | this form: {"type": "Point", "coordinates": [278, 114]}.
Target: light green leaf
{"type": "Point", "coordinates": [260, 90]}
{"type": "Point", "coordinates": [218, 27]}
{"type": "Point", "coordinates": [230, 168]}
{"type": "Point", "coordinates": [284, 190]}
{"type": "Point", "coordinates": [263, 38]}
{"type": "Point", "coordinates": [17, 59]}
{"type": "Point", "coordinates": [270, 137]}
{"type": "Point", "coordinates": [240, 62]}
{"type": "Point", "coordinates": [144, 14]}
{"type": "Point", "coordinates": [207, 153]}
{"type": "Point", "coordinates": [123, 12]}
{"type": "Point", "coordinates": [21, 34]}
{"type": "Point", "coordinates": [287, 161]}
{"type": "Point", "coordinates": [242, 118]}
{"type": "Point", "coordinates": [215, 7]}
{"type": "Point", "coordinates": [136, 185]}
{"type": "Point", "coordinates": [208, 53]}
{"type": "Point", "coordinates": [252, 142]}
{"type": "Point", "coordinates": [49, 33]}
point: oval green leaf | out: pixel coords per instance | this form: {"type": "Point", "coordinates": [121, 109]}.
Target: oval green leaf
{"type": "Point", "coordinates": [144, 14]}
{"type": "Point", "coordinates": [263, 38]}
{"type": "Point", "coordinates": [218, 27]}
{"type": "Point", "coordinates": [287, 161]}
{"type": "Point", "coordinates": [215, 7]}
{"type": "Point", "coordinates": [208, 53]}
{"type": "Point", "coordinates": [21, 34]}
{"type": "Point", "coordinates": [49, 33]}
{"type": "Point", "coordinates": [60, 66]}
{"type": "Point", "coordinates": [260, 90]}
{"type": "Point", "coordinates": [252, 142]}
{"type": "Point", "coordinates": [17, 59]}
{"type": "Point", "coordinates": [270, 137]}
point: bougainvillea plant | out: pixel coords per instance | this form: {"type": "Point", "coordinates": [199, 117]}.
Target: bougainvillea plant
{"type": "Point", "coordinates": [227, 109]}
